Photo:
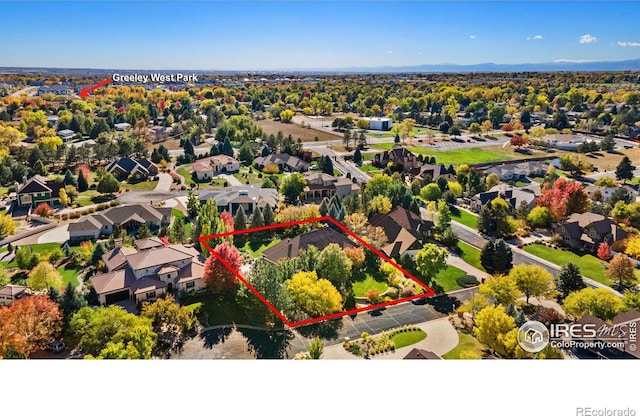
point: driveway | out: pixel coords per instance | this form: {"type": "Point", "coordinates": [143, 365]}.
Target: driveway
{"type": "Point", "coordinates": [164, 183]}
{"type": "Point", "coordinates": [230, 178]}
{"type": "Point", "coordinates": [143, 197]}
{"type": "Point", "coordinates": [57, 235]}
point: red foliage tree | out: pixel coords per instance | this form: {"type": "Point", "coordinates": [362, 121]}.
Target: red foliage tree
{"type": "Point", "coordinates": [563, 198]}
{"type": "Point", "coordinates": [44, 210]}
{"type": "Point", "coordinates": [29, 324]}
{"type": "Point", "coordinates": [162, 105]}
{"type": "Point", "coordinates": [604, 251]}
{"type": "Point", "coordinates": [121, 109]}
{"type": "Point", "coordinates": [165, 240]}
{"type": "Point", "coordinates": [86, 172]}
{"type": "Point", "coordinates": [227, 219]}
{"type": "Point", "coordinates": [217, 276]}
{"type": "Point", "coordinates": [506, 127]}
{"type": "Point", "coordinates": [518, 141]}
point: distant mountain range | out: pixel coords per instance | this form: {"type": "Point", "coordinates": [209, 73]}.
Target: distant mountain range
{"type": "Point", "coordinates": [560, 65]}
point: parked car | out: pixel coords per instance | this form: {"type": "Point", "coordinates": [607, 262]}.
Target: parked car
{"type": "Point", "coordinates": [55, 346]}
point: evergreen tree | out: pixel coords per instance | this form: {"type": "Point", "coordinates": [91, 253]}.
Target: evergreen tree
{"type": "Point", "coordinates": [240, 219]}
{"type": "Point", "coordinates": [569, 279]}
{"type": "Point", "coordinates": [265, 151]}
{"type": "Point", "coordinates": [178, 233]}
{"type": "Point", "coordinates": [257, 220]}
{"type": "Point", "coordinates": [83, 185]}
{"type": "Point", "coordinates": [496, 257]}
{"type": "Point", "coordinates": [357, 156]}
{"type": "Point", "coordinates": [156, 157]}
{"type": "Point", "coordinates": [324, 206]}
{"type": "Point", "coordinates": [69, 179]}
{"type": "Point", "coordinates": [143, 231]}
{"type": "Point", "coordinates": [188, 149]}
{"type": "Point", "coordinates": [227, 149]}
{"type": "Point", "coordinates": [624, 170]}
{"type": "Point", "coordinates": [327, 166]}
{"type": "Point", "coordinates": [268, 215]}
{"type": "Point", "coordinates": [193, 204]}
{"type": "Point", "coordinates": [98, 251]}
{"type": "Point", "coordinates": [40, 169]}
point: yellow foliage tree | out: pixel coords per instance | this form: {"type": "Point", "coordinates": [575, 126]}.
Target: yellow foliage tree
{"type": "Point", "coordinates": [315, 296]}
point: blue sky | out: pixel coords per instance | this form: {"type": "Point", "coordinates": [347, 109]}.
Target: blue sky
{"type": "Point", "coordinates": [242, 35]}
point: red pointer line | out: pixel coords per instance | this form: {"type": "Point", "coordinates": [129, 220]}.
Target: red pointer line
{"type": "Point", "coordinates": [85, 91]}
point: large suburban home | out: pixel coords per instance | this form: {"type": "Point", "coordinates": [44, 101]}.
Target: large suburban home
{"type": "Point", "coordinates": [319, 238]}
{"type": "Point", "coordinates": [587, 230]}
{"type": "Point", "coordinates": [208, 167]}
{"type": "Point", "coordinates": [129, 217]}
{"type": "Point", "coordinates": [10, 293]}
{"type": "Point", "coordinates": [404, 230]}
{"type": "Point", "coordinates": [36, 190]}
{"type": "Point", "coordinates": [519, 171]}
{"type": "Point", "coordinates": [514, 196]}
{"type": "Point", "coordinates": [249, 197]}
{"type": "Point", "coordinates": [321, 185]}
{"type": "Point", "coordinates": [147, 272]}
{"type": "Point", "coordinates": [137, 169]}
{"type": "Point", "coordinates": [399, 156]}
{"type": "Point", "coordinates": [285, 162]}
{"type": "Point", "coordinates": [432, 172]}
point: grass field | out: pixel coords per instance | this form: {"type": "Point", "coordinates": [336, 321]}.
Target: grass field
{"type": "Point", "coordinates": [471, 255]}
{"type": "Point", "coordinates": [590, 266]}
{"type": "Point", "coordinates": [404, 339]}
{"type": "Point", "coordinates": [68, 276]}
{"type": "Point", "coordinates": [361, 288]}
{"type": "Point", "coordinates": [270, 126]}
{"type": "Point", "coordinates": [86, 198]}
{"type": "Point", "coordinates": [256, 247]}
{"type": "Point", "coordinates": [185, 171]}
{"type": "Point", "coordinates": [446, 279]}
{"type": "Point", "coordinates": [222, 309]}
{"type": "Point", "coordinates": [466, 218]}
{"type": "Point", "coordinates": [466, 343]}
{"type": "Point", "coordinates": [140, 186]}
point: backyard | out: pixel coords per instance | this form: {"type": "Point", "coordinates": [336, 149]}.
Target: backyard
{"type": "Point", "coordinates": [465, 218]}
{"type": "Point", "coordinates": [216, 309]}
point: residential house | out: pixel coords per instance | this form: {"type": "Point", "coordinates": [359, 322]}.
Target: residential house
{"type": "Point", "coordinates": [37, 190]}
{"type": "Point", "coordinates": [10, 293]}
{"type": "Point", "coordinates": [518, 171]}
{"type": "Point", "coordinates": [379, 123]}
{"type": "Point", "coordinates": [129, 217]}
{"type": "Point", "coordinates": [569, 142]}
{"type": "Point", "coordinates": [137, 169]}
{"type": "Point", "coordinates": [66, 135]}
{"type": "Point", "coordinates": [615, 340]}
{"type": "Point", "coordinates": [285, 162]}
{"type": "Point", "coordinates": [319, 238]}
{"type": "Point", "coordinates": [321, 185]}
{"type": "Point", "coordinates": [512, 194]}
{"type": "Point", "coordinates": [208, 167]}
{"type": "Point", "coordinates": [587, 230]}
{"type": "Point", "coordinates": [432, 172]}
{"type": "Point", "coordinates": [144, 274]}
{"type": "Point", "coordinates": [159, 133]}
{"type": "Point", "coordinates": [246, 196]}
{"type": "Point", "coordinates": [404, 230]}
{"type": "Point", "coordinates": [420, 354]}
{"type": "Point", "coordinates": [122, 126]}
{"type": "Point", "coordinates": [606, 193]}
{"type": "Point", "coordinates": [399, 157]}
{"type": "Point", "coordinates": [54, 89]}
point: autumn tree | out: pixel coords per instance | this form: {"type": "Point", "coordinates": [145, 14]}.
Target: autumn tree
{"type": "Point", "coordinates": [7, 226]}
{"type": "Point", "coordinates": [208, 222]}
{"type": "Point", "coordinates": [431, 192]}
{"type": "Point", "coordinates": [28, 324]}
{"type": "Point", "coordinates": [600, 302]}
{"type": "Point", "coordinates": [621, 270]}
{"type": "Point", "coordinates": [113, 333]}
{"type": "Point", "coordinates": [502, 289]}
{"type": "Point", "coordinates": [292, 187]}
{"type": "Point", "coordinates": [475, 304]}
{"type": "Point", "coordinates": [430, 260]}
{"type": "Point", "coordinates": [563, 198]}
{"type": "Point", "coordinates": [533, 281]}
{"type": "Point", "coordinates": [44, 276]}
{"type": "Point", "coordinates": [356, 222]}
{"type": "Point", "coordinates": [496, 329]}
{"type": "Point", "coordinates": [315, 349]}
{"type": "Point", "coordinates": [26, 258]}
{"type": "Point", "coordinates": [604, 251]}
{"type": "Point", "coordinates": [169, 320]}
{"type": "Point", "coordinates": [217, 276]}
{"type": "Point", "coordinates": [107, 185]}
{"type": "Point", "coordinates": [316, 297]}
{"type": "Point", "coordinates": [334, 265]}
{"type": "Point", "coordinates": [43, 210]}
{"type": "Point", "coordinates": [380, 204]}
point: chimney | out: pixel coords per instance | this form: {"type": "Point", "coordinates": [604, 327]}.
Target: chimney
{"type": "Point", "coordinates": [289, 245]}
{"type": "Point", "coordinates": [24, 179]}
{"type": "Point", "coordinates": [117, 243]}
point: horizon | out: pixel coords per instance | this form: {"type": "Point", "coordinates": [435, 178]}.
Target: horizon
{"type": "Point", "coordinates": [314, 36]}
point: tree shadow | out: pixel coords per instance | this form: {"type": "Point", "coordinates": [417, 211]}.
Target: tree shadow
{"type": "Point", "coordinates": [326, 329]}
{"type": "Point", "coordinates": [267, 344]}
{"type": "Point", "coordinates": [444, 303]}
{"type": "Point", "coordinates": [216, 336]}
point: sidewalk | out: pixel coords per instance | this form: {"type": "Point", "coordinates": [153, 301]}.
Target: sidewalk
{"type": "Point", "coordinates": [441, 338]}
{"type": "Point", "coordinates": [456, 261]}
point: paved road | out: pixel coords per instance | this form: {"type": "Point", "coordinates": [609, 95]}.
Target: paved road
{"type": "Point", "coordinates": [342, 165]}
{"type": "Point", "coordinates": [141, 197]}
{"type": "Point", "coordinates": [30, 91]}
{"type": "Point", "coordinates": [198, 151]}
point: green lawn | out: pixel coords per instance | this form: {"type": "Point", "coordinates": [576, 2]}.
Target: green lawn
{"type": "Point", "coordinates": [361, 288]}
{"type": "Point", "coordinates": [466, 155]}
{"type": "Point", "coordinates": [590, 266]}
{"type": "Point", "coordinates": [369, 168]}
{"type": "Point", "coordinates": [470, 254]}
{"type": "Point", "coordinates": [404, 339]}
{"type": "Point", "coordinates": [446, 279]}
{"type": "Point", "coordinates": [244, 176]}
{"type": "Point", "coordinates": [466, 343]}
{"type": "Point", "coordinates": [68, 276]}
{"type": "Point", "coordinates": [223, 309]}
{"type": "Point", "coordinates": [368, 155]}
{"type": "Point", "coordinates": [86, 198]}
{"type": "Point", "coordinates": [140, 186]}
{"type": "Point", "coordinates": [383, 146]}
{"type": "Point", "coordinates": [466, 218]}
{"type": "Point", "coordinates": [256, 247]}
{"type": "Point", "coordinates": [185, 171]}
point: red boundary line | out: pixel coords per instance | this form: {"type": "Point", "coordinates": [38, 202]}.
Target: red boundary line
{"type": "Point", "coordinates": [429, 291]}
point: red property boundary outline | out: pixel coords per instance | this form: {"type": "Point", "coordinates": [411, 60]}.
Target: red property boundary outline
{"type": "Point", "coordinates": [429, 291]}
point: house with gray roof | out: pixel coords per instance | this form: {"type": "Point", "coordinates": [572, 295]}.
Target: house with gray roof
{"type": "Point", "coordinates": [136, 169]}
{"type": "Point", "coordinates": [319, 238]}
{"type": "Point", "coordinates": [144, 274]}
{"type": "Point", "coordinates": [285, 162]}
{"type": "Point", "coordinates": [130, 217]}
{"type": "Point", "coordinates": [519, 171]}
{"type": "Point", "coordinates": [514, 196]}
{"type": "Point", "coordinates": [10, 293]}
{"type": "Point", "coordinates": [249, 197]}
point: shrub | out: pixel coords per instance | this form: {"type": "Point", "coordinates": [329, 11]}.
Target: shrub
{"type": "Point", "coordinates": [114, 203]}
{"type": "Point", "coordinates": [408, 291]}
{"type": "Point", "coordinates": [467, 281]}
{"type": "Point", "coordinates": [43, 210]}
{"type": "Point", "coordinates": [74, 215]}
